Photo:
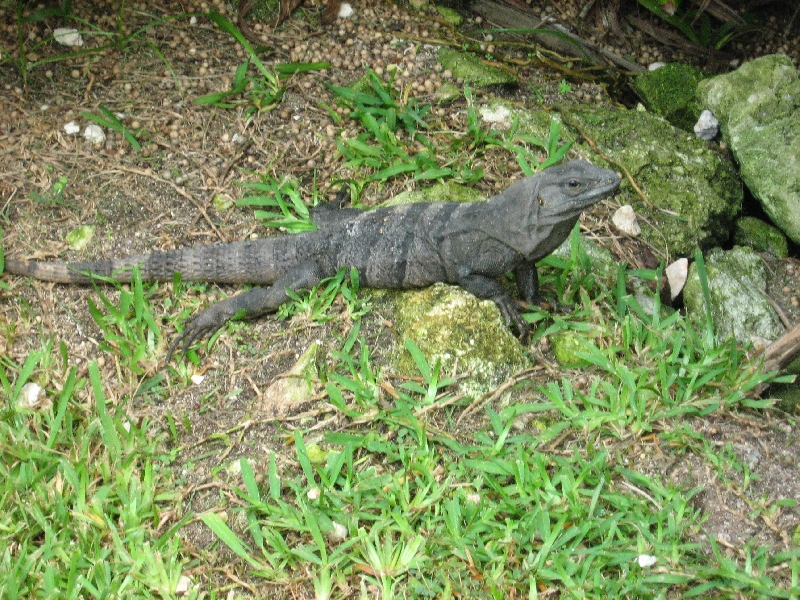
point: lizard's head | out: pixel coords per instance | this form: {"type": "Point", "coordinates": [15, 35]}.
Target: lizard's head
{"type": "Point", "coordinates": [554, 200]}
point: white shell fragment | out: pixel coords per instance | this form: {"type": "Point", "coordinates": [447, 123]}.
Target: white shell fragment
{"type": "Point", "coordinates": [68, 37]}
{"type": "Point", "coordinates": [197, 379]}
{"type": "Point", "coordinates": [71, 128]}
{"type": "Point", "coordinates": [497, 114]}
{"type": "Point", "coordinates": [707, 126]}
{"type": "Point", "coordinates": [338, 533]}
{"type": "Point", "coordinates": [183, 586]}
{"type": "Point", "coordinates": [676, 274]}
{"type": "Point", "coordinates": [345, 10]}
{"type": "Point", "coordinates": [625, 220]}
{"type": "Point", "coordinates": [646, 560]}
{"type": "Point", "coordinates": [656, 66]}
{"type": "Point", "coordinates": [30, 395]}
{"type": "Point", "coordinates": [94, 134]}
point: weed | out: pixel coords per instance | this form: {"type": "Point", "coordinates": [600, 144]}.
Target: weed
{"type": "Point", "coordinates": [111, 121]}
{"type": "Point", "coordinates": [697, 26]}
{"type": "Point", "coordinates": [315, 304]}
{"type": "Point", "coordinates": [425, 512]}
{"type": "Point", "coordinates": [55, 196]}
{"type": "Point", "coordinates": [262, 92]}
{"type": "Point", "coordinates": [392, 142]}
{"type": "Point", "coordinates": [294, 215]}
{"type": "Point", "coordinates": [130, 331]}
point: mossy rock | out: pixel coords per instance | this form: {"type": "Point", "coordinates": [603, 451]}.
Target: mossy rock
{"type": "Point", "coordinates": [760, 236]}
{"type": "Point", "coordinates": [670, 92]}
{"type": "Point", "coordinates": [454, 327]}
{"type": "Point", "coordinates": [472, 69]}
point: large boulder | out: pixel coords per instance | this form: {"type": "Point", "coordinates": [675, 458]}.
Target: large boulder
{"type": "Point", "coordinates": [758, 107]}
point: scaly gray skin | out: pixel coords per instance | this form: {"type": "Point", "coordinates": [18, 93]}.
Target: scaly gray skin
{"type": "Point", "coordinates": [408, 246]}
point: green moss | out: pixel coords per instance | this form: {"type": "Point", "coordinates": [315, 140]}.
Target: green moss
{"type": "Point", "coordinates": [449, 15]}
{"type": "Point", "coordinates": [738, 308]}
{"type": "Point", "coordinates": [440, 192]}
{"type": "Point", "coordinates": [471, 69]}
{"type": "Point", "coordinates": [462, 332]}
{"type": "Point", "coordinates": [696, 191]}
{"type": "Point", "coordinates": [760, 236]}
{"type": "Point", "coordinates": [670, 92]}
{"type": "Point", "coordinates": [565, 346]}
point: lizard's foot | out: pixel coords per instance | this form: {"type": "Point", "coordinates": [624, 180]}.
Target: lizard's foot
{"type": "Point", "coordinates": [201, 326]}
{"type": "Point", "coordinates": [513, 318]}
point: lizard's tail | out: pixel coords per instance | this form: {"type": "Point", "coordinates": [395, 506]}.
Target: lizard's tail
{"type": "Point", "coordinates": [252, 261]}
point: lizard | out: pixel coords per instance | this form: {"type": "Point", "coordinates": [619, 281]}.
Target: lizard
{"type": "Point", "coordinates": [402, 247]}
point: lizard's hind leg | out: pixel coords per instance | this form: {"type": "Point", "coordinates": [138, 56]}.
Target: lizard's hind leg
{"type": "Point", "coordinates": [250, 304]}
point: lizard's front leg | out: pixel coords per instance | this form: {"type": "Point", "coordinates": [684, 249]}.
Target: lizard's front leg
{"type": "Point", "coordinates": [248, 305]}
{"type": "Point", "coordinates": [488, 288]}
{"type": "Point", "coordinates": [527, 278]}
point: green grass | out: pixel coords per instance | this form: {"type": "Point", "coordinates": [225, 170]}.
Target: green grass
{"type": "Point", "coordinates": [81, 494]}
{"type": "Point", "coordinates": [394, 497]}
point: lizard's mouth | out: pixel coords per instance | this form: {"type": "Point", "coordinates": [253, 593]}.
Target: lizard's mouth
{"type": "Point", "coordinates": [602, 188]}
{"type": "Point", "coordinates": [595, 191]}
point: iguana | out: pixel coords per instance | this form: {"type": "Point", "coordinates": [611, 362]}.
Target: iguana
{"type": "Point", "coordinates": [406, 246]}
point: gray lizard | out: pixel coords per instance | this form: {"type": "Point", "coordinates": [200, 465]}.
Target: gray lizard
{"type": "Point", "coordinates": [407, 246]}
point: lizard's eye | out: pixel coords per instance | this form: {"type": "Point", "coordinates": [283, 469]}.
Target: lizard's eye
{"type": "Point", "coordinates": [573, 183]}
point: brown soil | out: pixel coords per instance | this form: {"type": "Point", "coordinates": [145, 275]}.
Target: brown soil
{"type": "Point", "coordinates": [163, 198]}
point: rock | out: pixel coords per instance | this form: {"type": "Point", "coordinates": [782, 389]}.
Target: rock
{"type": "Point", "coordinates": [697, 189]}
{"type": "Point", "coordinates": [292, 388]}
{"type": "Point", "coordinates": [677, 273]}
{"type": "Point", "coordinates": [67, 37]}
{"type": "Point", "coordinates": [94, 133]}
{"type": "Point", "coordinates": [669, 91]}
{"type": "Point", "coordinates": [738, 308]}
{"type": "Point", "coordinates": [472, 69]}
{"type": "Point", "coordinates": [624, 219]}
{"type": "Point", "coordinates": [758, 106]}
{"type": "Point", "coordinates": [466, 334]}
{"type": "Point", "coordinates": [707, 126]}
{"type": "Point", "coordinates": [760, 236]}
{"type": "Point", "coordinates": [30, 395]}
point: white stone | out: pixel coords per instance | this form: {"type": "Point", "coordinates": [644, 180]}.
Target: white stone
{"type": "Point", "coordinates": [68, 37]}
{"type": "Point", "coordinates": [30, 395]}
{"type": "Point", "coordinates": [497, 114]}
{"type": "Point", "coordinates": [184, 583]}
{"type": "Point", "coordinates": [338, 533]}
{"type": "Point", "coordinates": [625, 220]}
{"type": "Point", "coordinates": [94, 133]}
{"type": "Point", "coordinates": [345, 10]}
{"type": "Point", "coordinates": [646, 560]}
{"type": "Point", "coordinates": [676, 274]}
{"type": "Point", "coordinates": [197, 379]}
{"type": "Point", "coordinates": [72, 128]}
{"type": "Point", "coordinates": [707, 126]}
{"type": "Point", "coordinates": [656, 65]}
